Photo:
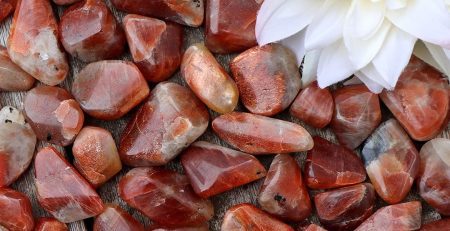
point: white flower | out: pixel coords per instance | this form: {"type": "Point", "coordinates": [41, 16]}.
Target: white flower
{"type": "Point", "coordinates": [371, 39]}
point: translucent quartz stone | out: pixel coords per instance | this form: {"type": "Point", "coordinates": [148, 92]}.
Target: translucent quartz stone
{"type": "Point", "coordinates": [12, 77]}
{"type": "Point", "coordinates": [115, 218]}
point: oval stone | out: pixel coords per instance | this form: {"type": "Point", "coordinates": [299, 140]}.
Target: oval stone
{"type": "Point", "coordinates": [12, 77]}
{"type": "Point", "coordinates": [15, 212]}
{"type": "Point", "coordinates": [50, 224]}
{"type": "Point", "coordinates": [115, 218]}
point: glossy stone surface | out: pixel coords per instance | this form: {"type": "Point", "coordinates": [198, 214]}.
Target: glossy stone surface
{"type": "Point", "coordinates": [267, 77]}
{"type": "Point", "coordinates": [156, 46]}
{"type": "Point", "coordinates": [61, 190]}
{"type": "Point", "coordinates": [405, 216]}
{"type": "Point", "coordinates": [12, 77]}
{"type": "Point", "coordinates": [356, 114]}
{"type": "Point", "coordinates": [420, 100]}
{"type": "Point", "coordinates": [165, 196]}
{"type": "Point", "coordinates": [115, 218]}
{"type": "Point", "coordinates": [33, 42]}
{"type": "Point", "coordinates": [65, 2]}
{"type": "Point", "coordinates": [15, 213]}
{"type": "Point", "coordinates": [160, 130]}
{"type": "Point", "coordinates": [203, 227]}
{"type": "Point", "coordinates": [439, 225]}
{"type": "Point", "coordinates": [6, 8]}
{"type": "Point", "coordinates": [109, 89]}
{"type": "Point", "coordinates": [213, 169]}
{"type": "Point", "coordinates": [246, 217]}
{"type": "Point", "coordinates": [209, 80]}
{"type": "Point", "coordinates": [257, 134]}
{"type": "Point", "coordinates": [434, 174]}
{"type": "Point", "coordinates": [89, 32]}
{"type": "Point", "coordinates": [391, 160]}
{"type": "Point", "coordinates": [53, 114]}
{"type": "Point", "coordinates": [330, 165]}
{"type": "Point", "coordinates": [283, 193]}
{"type": "Point", "coordinates": [95, 155]}
{"type": "Point", "coordinates": [314, 227]}
{"type": "Point", "coordinates": [50, 224]}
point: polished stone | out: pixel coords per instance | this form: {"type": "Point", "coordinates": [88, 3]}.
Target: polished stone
{"type": "Point", "coordinates": [314, 227]}
{"type": "Point", "coordinates": [203, 227]}
{"type": "Point", "coordinates": [6, 8]}
{"type": "Point", "coordinates": [439, 225]}
{"type": "Point", "coordinates": [50, 224]}
{"type": "Point", "coordinates": [12, 77]}
{"type": "Point", "coordinates": [15, 212]}
{"type": "Point", "coordinates": [65, 2]}
{"type": "Point", "coordinates": [114, 218]}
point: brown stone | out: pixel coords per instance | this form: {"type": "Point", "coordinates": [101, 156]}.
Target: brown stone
{"type": "Point", "coordinates": [12, 77]}
{"type": "Point", "coordinates": [50, 224]}
{"type": "Point", "coordinates": [15, 212]}
{"type": "Point", "coordinates": [65, 2]}
{"type": "Point", "coordinates": [6, 8]}
{"type": "Point", "coordinates": [115, 218]}
{"type": "Point", "coordinates": [438, 225]}
{"type": "Point", "coordinates": [203, 227]}
{"type": "Point", "coordinates": [314, 227]}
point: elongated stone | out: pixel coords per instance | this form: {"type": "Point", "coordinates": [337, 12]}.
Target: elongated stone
{"type": "Point", "coordinates": [213, 169]}
{"type": "Point", "coordinates": [115, 218]}
{"type": "Point", "coordinates": [65, 2]}
{"type": "Point", "coordinates": [33, 42]}
{"type": "Point", "coordinates": [208, 80]}
{"type": "Point", "coordinates": [257, 134]}
{"type": "Point", "coordinates": [12, 77]}
{"type": "Point", "coordinates": [203, 227]}
{"type": "Point", "coordinates": [15, 212]}
{"type": "Point", "coordinates": [439, 225]}
{"type": "Point", "coordinates": [6, 8]}
{"type": "Point", "coordinates": [165, 197]}
{"type": "Point", "coordinates": [50, 224]}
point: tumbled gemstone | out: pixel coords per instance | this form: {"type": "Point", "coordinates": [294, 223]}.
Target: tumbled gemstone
{"type": "Point", "coordinates": [329, 165]}
{"type": "Point", "coordinates": [420, 100]}
{"type": "Point", "coordinates": [53, 114]}
{"type": "Point", "coordinates": [65, 2]}
{"type": "Point", "coordinates": [283, 193]}
{"type": "Point", "coordinates": [156, 46]}
{"type": "Point", "coordinates": [208, 80]}
{"type": "Point", "coordinates": [15, 212]}
{"type": "Point", "coordinates": [356, 114]}
{"type": "Point", "coordinates": [164, 196]}
{"type": "Point", "coordinates": [109, 89]}
{"type": "Point", "coordinates": [12, 77]}
{"type": "Point", "coordinates": [257, 134]}
{"type": "Point", "coordinates": [6, 7]}
{"type": "Point", "coordinates": [186, 12]}
{"type": "Point", "coordinates": [61, 190]}
{"type": "Point", "coordinates": [314, 227]}
{"type": "Point", "coordinates": [267, 77]}
{"type": "Point", "coordinates": [246, 217]}
{"type": "Point", "coordinates": [89, 32]}
{"type": "Point", "coordinates": [95, 155]}
{"type": "Point", "coordinates": [434, 174]}
{"type": "Point", "coordinates": [203, 227]}
{"type": "Point", "coordinates": [438, 225]}
{"type": "Point", "coordinates": [33, 42]}
{"type": "Point", "coordinates": [213, 169]}
{"type": "Point", "coordinates": [391, 160]}
{"type": "Point", "coordinates": [405, 216]}
{"type": "Point", "coordinates": [115, 218]}
{"type": "Point", "coordinates": [50, 224]}
{"type": "Point", "coordinates": [160, 130]}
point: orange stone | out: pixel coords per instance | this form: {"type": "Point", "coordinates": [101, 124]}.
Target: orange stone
{"type": "Point", "coordinates": [438, 225]}
{"type": "Point", "coordinates": [12, 77]}
{"type": "Point", "coordinates": [65, 2]}
{"type": "Point", "coordinates": [15, 212]}
{"type": "Point", "coordinates": [115, 218]}
{"type": "Point", "coordinates": [314, 227]}
{"type": "Point", "coordinates": [6, 7]}
{"type": "Point", "coordinates": [50, 224]}
{"type": "Point", "coordinates": [203, 227]}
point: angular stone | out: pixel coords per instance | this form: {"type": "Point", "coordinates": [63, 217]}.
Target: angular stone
{"type": "Point", "coordinates": [186, 12]}
{"type": "Point", "coordinates": [329, 165]}
{"type": "Point", "coordinates": [438, 225]}
{"type": "Point", "coordinates": [15, 212]}
{"type": "Point", "coordinates": [65, 2]}
{"type": "Point", "coordinates": [420, 100]}
{"type": "Point", "coordinates": [208, 80]}
{"type": "Point", "coordinates": [213, 169]}
{"type": "Point", "coordinates": [356, 114]}
{"type": "Point", "coordinates": [160, 130]}
{"type": "Point", "coordinates": [33, 42]}
{"type": "Point", "coordinates": [156, 46]}
{"type": "Point", "coordinates": [434, 174]}
{"type": "Point", "coordinates": [12, 77]}
{"type": "Point", "coordinates": [53, 114]}
{"type": "Point", "coordinates": [89, 32]}
{"type": "Point", "coordinates": [6, 8]}
{"type": "Point", "coordinates": [283, 193]}
{"type": "Point", "coordinates": [165, 196]}
{"type": "Point", "coordinates": [267, 77]}
{"type": "Point", "coordinates": [61, 190]}
{"type": "Point", "coordinates": [257, 134]}
{"type": "Point", "coordinates": [203, 227]}
{"type": "Point", "coordinates": [50, 224]}
{"type": "Point", "coordinates": [405, 216]}
{"type": "Point", "coordinates": [115, 218]}
{"type": "Point", "coordinates": [246, 217]}
{"type": "Point", "coordinates": [95, 155]}
{"type": "Point", "coordinates": [109, 89]}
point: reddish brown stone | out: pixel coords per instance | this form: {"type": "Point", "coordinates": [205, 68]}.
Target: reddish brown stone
{"type": "Point", "coordinates": [6, 8]}
{"type": "Point", "coordinates": [314, 227]}
{"type": "Point", "coordinates": [12, 77]}
{"type": "Point", "coordinates": [50, 224]}
{"type": "Point", "coordinates": [257, 134]}
{"type": "Point", "coordinates": [65, 2]}
{"type": "Point", "coordinates": [438, 225]}
{"type": "Point", "coordinates": [156, 46]}
{"type": "Point", "coordinates": [213, 169]}
{"type": "Point", "coordinates": [115, 218]}
{"type": "Point", "coordinates": [165, 197]}
{"type": "Point", "coordinates": [15, 212]}
{"type": "Point", "coordinates": [203, 227]}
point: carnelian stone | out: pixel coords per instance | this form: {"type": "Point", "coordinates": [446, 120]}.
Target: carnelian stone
{"type": "Point", "coordinates": [438, 225]}
{"type": "Point", "coordinates": [115, 218]}
{"type": "Point", "coordinates": [314, 227]}
{"type": "Point", "coordinates": [15, 212]}
{"type": "Point", "coordinates": [203, 227]}
{"type": "Point", "coordinates": [50, 224]}
{"type": "Point", "coordinates": [12, 77]}
{"type": "Point", "coordinates": [65, 2]}
{"type": "Point", "coordinates": [6, 7]}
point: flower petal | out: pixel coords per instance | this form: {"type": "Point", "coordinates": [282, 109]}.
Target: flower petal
{"type": "Point", "coordinates": [297, 44]}
{"type": "Point", "coordinates": [371, 73]}
{"type": "Point", "coordinates": [373, 86]}
{"type": "Point", "coordinates": [422, 52]}
{"type": "Point", "coordinates": [441, 56]}
{"type": "Point", "coordinates": [309, 71]}
{"type": "Point", "coordinates": [364, 18]}
{"type": "Point", "coordinates": [396, 4]}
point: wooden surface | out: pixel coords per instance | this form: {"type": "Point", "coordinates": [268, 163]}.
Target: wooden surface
{"type": "Point", "coordinates": [108, 192]}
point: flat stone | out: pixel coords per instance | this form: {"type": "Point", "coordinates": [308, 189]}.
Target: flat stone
{"type": "Point", "coordinates": [50, 224]}
{"type": "Point", "coordinates": [12, 77]}
{"type": "Point", "coordinates": [6, 8]}
{"type": "Point", "coordinates": [65, 2]}
{"type": "Point", "coordinates": [15, 213]}
{"type": "Point", "coordinates": [115, 218]}
{"type": "Point", "coordinates": [203, 227]}
{"type": "Point", "coordinates": [439, 225]}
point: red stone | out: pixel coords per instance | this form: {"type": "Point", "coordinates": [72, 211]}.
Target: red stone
{"type": "Point", "coordinates": [267, 77]}
{"type": "Point", "coordinates": [391, 160]}
{"type": "Point", "coordinates": [53, 114]}
{"type": "Point", "coordinates": [314, 227]}
{"type": "Point", "coordinates": [65, 2]}
{"type": "Point", "coordinates": [156, 46]}
{"type": "Point", "coordinates": [61, 190]}
{"type": "Point", "coordinates": [115, 218]}
{"type": "Point", "coordinates": [356, 114]}
{"type": "Point", "coordinates": [213, 169]}
{"type": "Point", "coordinates": [329, 165]}
{"type": "Point", "coordinates": [12, 77]}
{"type": "Point", "coordinates": [168, 122]}
{"type": "Point", "coordinates": [257, 134]}
{"type": "Point", "coordinates": [203, 227]}
{"type": "Point", "coordinates": [109, 89]}
{"type": "Point", "coordinates": [283, 193]}
{"type": "Point", "coordinates": [15, 212]}
{"type": "Point", "coordinates": [438, 225]}
{"type": "Point", "coordinates": [50, 224]}
{"type": "Point", "coordinates": [420, 100]}
{"type": "Point", "coordinates": [166, 197]}
{"type": "Point", "coordinates": [6, 7]}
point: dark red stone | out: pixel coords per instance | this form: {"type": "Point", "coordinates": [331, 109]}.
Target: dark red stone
{"type": "Point", "coordinates": [65, 2]}
{"type": "Point", "coordinates": [15, 211]}
{"type": "Point", "coordinates": [50, 224]}
{"type": "Point", "coordinates": [6, 7]}
{"type": "Point", "coordinates": [314, 227]}
{"type": "Point", "coordinates": [203, 227]}
{"type": "Point", "coordinates": [12, 77]}
{"type": "Point", "coordinates": [438, 225]}
{"type": "Point", "coordinates": [115, 218]}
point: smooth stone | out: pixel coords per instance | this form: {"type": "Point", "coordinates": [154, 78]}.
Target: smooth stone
{"type": "Point", "coordinates": [115, 218]}
{"type": "Point", "coordinates": [12, 77]}
{"type": "Point", "coordinates": [109, 89]}
{"type": "Point", "coordinates": [257, 134]}
{"type": "Point", "coordinates": [33, 42]}
{"type": "Point", "coordinates": [156, 46]}
{"type": "Point", "coordinates": [439, 225]}
{"type": "Point", "coordinates": [213, 169]}
{"type": "Point", "coordinates": [267, 77]}
{"type": "Point", "coordinates": [15, 212]}
{"type": "Point", "coordinates": [65, 2]}
{"type": "Point", "coordinates": [6, 8]}
{"type": "Point", "coordinates": [203, 227]}
{"type": "Point", "coordinates": [164, 196]}
{"type": "Point", "coordinates": [208, 79]}
{"type": "Point", "coordinates": [50, 224]}
{"type": "Point", "coordinates": [61, 190]}
{"type": "Point", "coordinates": [391, 160]}
{"type": "Point", "coordinates": [314, 227]}
{"type": "Point", "coordinates": [170, 120]}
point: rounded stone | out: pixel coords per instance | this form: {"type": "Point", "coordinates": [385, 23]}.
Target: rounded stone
{"type": "Point", "coordinates": [12, 77]}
